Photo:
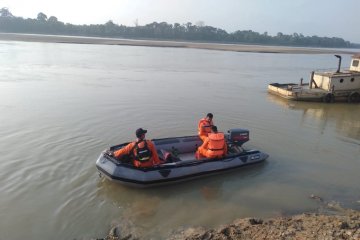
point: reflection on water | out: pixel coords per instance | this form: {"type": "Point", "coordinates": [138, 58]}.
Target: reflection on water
{"type": "Point", "coordinates": [345, 116]}
{"type": "Point", "coordinates": [62, 104]}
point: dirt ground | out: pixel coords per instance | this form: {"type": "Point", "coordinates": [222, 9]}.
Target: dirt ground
{"type": "Point", "coordinates": [333, 223]}
{"type": "Point", "coordinates": [304, 226]}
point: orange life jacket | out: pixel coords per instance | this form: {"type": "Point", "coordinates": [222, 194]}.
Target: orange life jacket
{"type": "Point", "coordinates": [204, 126]}
{"type": "Point", "coordinates": [216, 143]}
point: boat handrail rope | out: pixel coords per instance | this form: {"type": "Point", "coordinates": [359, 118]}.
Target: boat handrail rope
{"type": "Point", "coordinates": [329, 70]}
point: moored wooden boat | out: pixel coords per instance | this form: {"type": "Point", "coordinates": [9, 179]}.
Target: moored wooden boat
{"type": "Point", "coordinates": [325, 86]}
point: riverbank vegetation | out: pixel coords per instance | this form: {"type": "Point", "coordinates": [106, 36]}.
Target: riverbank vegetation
{"type": "Point", "coordinates": [43, 24]}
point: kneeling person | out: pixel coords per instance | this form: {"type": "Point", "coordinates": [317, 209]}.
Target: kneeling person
{"type": "Point", "coordinates": [214, 145]}
{"type": "Point", "coordinates": [143, 150]}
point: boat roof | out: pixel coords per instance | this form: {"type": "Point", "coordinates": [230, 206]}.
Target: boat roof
{"type": "Point", "coordinates": [356, 55]}
{"type": "Point", "coordinates": [344, 73]}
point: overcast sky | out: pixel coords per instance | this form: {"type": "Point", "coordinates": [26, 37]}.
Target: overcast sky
{"type": "Point", "coordinates": [332, 18]}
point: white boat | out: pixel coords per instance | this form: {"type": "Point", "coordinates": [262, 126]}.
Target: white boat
{"type": "Point", "coordinates": [326, 86]}
{"type": "Point", "coordinates": [183, 165]}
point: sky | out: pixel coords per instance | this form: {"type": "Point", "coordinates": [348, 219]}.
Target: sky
{"type": "Point", "coordinates": [330, 18]}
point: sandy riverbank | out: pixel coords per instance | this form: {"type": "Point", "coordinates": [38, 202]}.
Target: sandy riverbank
{"type": "Point", "coordinates": [153, 43]}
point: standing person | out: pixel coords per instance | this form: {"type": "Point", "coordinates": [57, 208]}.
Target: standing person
{"type": "Point", "coordinates": [204, 126]}
{"type": "Point", "coordinates": [214, 145]}
{"type": "Point", "coordinates": [143, 151]}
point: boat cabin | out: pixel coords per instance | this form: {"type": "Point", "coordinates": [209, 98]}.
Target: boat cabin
{"type": "Point", "coordinates": [355, 66]}
{"type": "Point", "coordinates": [340, 80]}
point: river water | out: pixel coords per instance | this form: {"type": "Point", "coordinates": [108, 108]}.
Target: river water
{"type": "Point", "coordinates": [62, 104]}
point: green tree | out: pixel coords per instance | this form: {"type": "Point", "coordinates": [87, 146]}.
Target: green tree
{"type": "Point", "coordinates": [4, 12]}
{"type": "Point", "coordinates": [41, 17]}
{"type": "Point", "coordinates": [53, 19]}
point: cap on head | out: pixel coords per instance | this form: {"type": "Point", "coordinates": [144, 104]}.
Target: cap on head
{"type": "Point", "coordinates": [210, 115]}
{"type": "Point", "coordinates": [140, 132]}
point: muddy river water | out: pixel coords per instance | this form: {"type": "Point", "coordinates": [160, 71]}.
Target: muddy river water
{"type": "Point", "coordinates": [62, 104]}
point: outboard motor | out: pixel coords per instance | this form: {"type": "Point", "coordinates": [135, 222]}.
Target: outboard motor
{"type": "Point", "coordinates": [238, 136]}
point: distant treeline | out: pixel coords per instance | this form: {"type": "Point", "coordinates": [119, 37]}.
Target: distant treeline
{"type": "Point", "coordinates": [199, 32]}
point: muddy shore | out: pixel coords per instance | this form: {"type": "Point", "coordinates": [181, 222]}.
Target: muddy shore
{"type": "Point", "coordinates": [174, 44]}
{"type": "Point", "coordinates": [330, 222]}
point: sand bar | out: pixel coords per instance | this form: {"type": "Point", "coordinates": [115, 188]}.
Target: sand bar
{"type": "Point", "coordinates": [175, 44]}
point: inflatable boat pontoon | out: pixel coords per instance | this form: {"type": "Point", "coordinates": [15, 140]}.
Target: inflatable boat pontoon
{"type": "Point", "coordinates": [182, 164]}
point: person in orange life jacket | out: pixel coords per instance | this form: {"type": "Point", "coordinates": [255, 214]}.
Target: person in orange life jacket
{"type": "Point", "coordinates": [214, 145]}
{"type": "Point", "coordinates": [204, 126]}
{"type": "Point", "coordinates": [144, 151]}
